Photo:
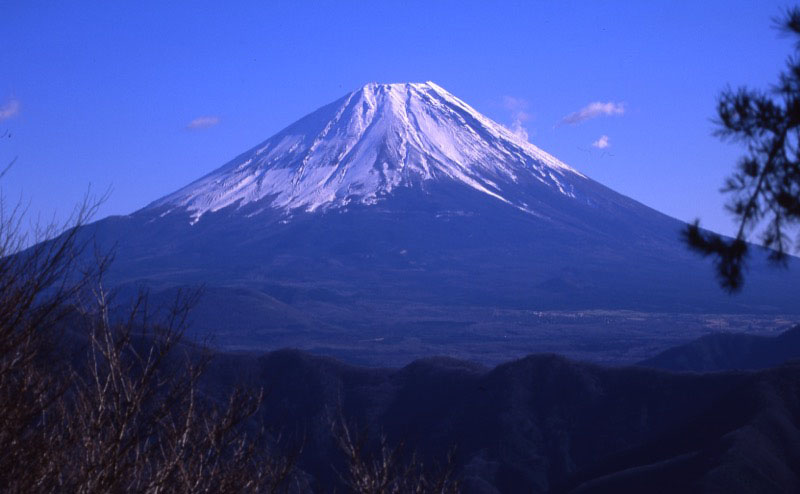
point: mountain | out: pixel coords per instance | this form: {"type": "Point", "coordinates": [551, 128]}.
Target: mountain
{"type": "Point", "coordinates": [399, 222]}
{"type": "Point", "coordinates": [729, 351]}
{"type": "Point", "coordinates": [382, 137]}
{"type": "Point", "coordinates": [542, 423]}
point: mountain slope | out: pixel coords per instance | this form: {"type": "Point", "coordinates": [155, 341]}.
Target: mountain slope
{"type": "Point", "coordinates": [398, 214]}
{"type": "Point", "coordinates": [729, 351]}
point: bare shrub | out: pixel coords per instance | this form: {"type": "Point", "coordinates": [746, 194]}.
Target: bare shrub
{"type": "Point", "coordinates": [124, 414]}
{"type": "Point", "coordinates": [382, 469]}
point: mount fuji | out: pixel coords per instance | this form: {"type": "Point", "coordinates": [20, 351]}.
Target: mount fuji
{"type": "Point", "coordinates": [361, 148]}
{"type": "Point", "coordinates": [398, 222]}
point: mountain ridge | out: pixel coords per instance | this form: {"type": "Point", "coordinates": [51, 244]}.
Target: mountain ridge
{"type": "Point", "coordinates": [729, 351]}
{"type": "Point", "coordinates": [544, 423]}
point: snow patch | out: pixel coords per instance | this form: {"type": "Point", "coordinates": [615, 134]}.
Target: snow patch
{"type": "Point", "coordinates": [373, 140]}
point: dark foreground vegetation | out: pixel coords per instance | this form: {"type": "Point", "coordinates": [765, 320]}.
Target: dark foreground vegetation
{"type": "Point", "coordinates": [764, 190]}
{"type": "Point", "coordinates": [100, 399]}
{"type": "Point", "coordinates": [93, 402]}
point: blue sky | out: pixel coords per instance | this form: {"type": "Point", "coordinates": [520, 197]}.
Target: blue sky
{"type": "Point", "coordinates": [105, 93]}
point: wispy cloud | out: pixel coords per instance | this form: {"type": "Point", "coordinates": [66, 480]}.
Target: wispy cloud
{"type": "Point", "coordinates": [9, 110]}
{"type": "Point", "coordinates": [519, 115]}
{"type": "Point", "coordinates": [594, 110]}
{"type": "Point", "coordinates": [203, 122]}
{"type": "Point", "coordinates": [601, 143]}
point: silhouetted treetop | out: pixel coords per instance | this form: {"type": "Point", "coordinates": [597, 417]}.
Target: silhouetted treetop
{"type": "Point", "coordinates": [765, 188]}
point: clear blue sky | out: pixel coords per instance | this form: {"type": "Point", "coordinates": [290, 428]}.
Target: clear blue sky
{"type": "Point", "coordinates": [102, 93]}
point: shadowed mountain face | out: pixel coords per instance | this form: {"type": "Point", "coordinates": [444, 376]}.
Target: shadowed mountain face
{"type": "Point", "coordinates": [543, 423]}
{"type": "Point", "coordinates": [399, 214]}
{"type": "Point", "coordinates": [729, 351]}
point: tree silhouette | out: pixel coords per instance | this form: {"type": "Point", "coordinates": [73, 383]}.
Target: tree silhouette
{"type": "Point", "coordinates": [765, 188]}
{"type": "Point", "coordinates": [97, 399]}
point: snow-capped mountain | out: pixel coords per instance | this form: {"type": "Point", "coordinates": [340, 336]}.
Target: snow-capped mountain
{"type": "Point", "coordinates": [374, 140]}
{"type": "Point", "coordinates": [399, 213]}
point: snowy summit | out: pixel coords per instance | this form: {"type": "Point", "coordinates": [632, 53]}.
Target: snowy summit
{"type": "Point", "coordinates": [363, 146]}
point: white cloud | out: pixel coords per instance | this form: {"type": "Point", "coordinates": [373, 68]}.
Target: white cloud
{"type": "Point", "coordinates": [203, 122]}
{"type": "Point", "coordinates": [601, 143]}
{"type": "Point", "coordinates": [518, 128]}
{"type": "Point", "coordinates": [519, 115]}
{"type": "Point", "coordinates": [594, 110]}
{"type": "Point", "coordinates": [9, 110]}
